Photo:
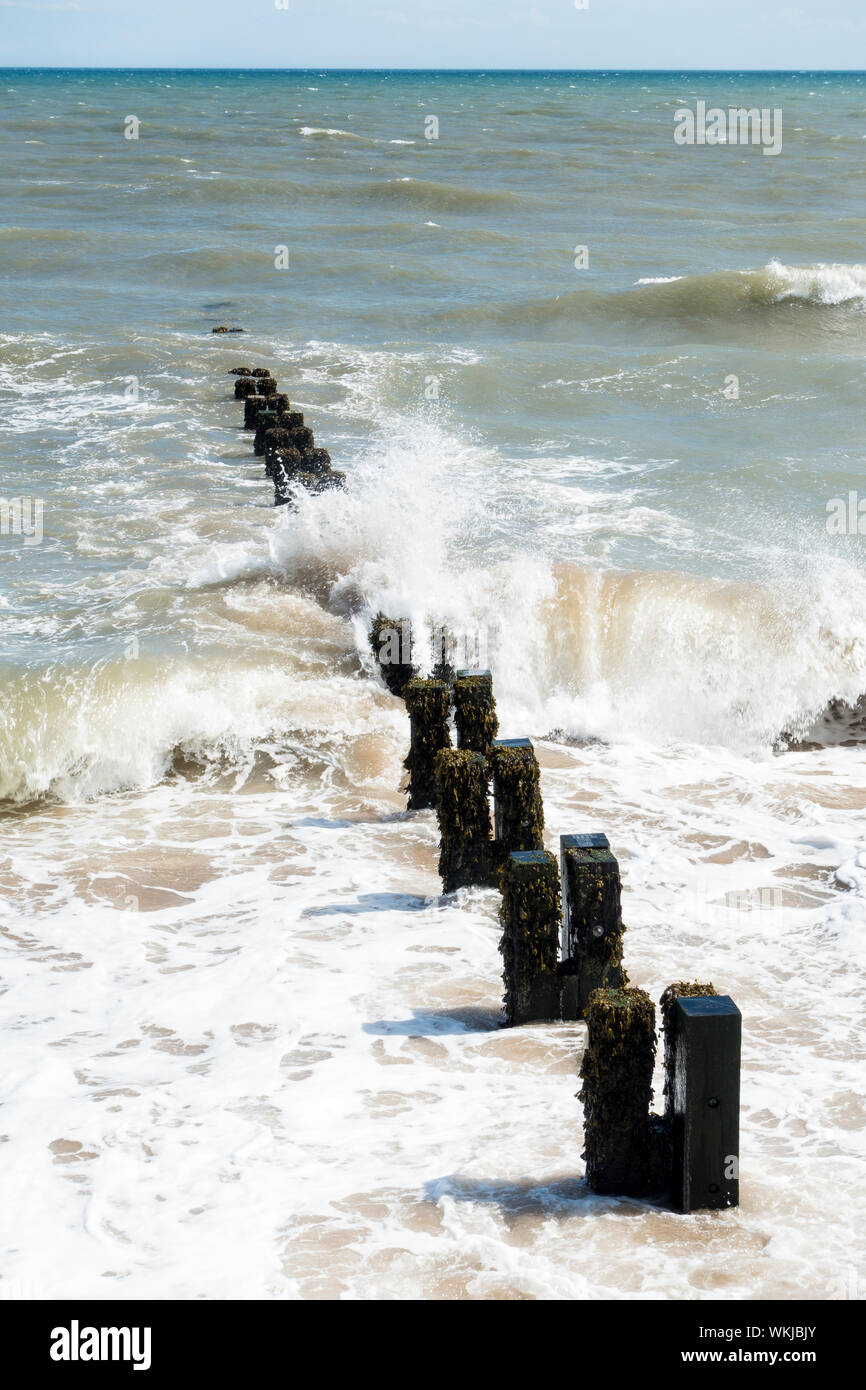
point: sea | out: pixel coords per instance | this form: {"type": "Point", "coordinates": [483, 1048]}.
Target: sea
{"type": "Point", "coordinates": [598, 396]}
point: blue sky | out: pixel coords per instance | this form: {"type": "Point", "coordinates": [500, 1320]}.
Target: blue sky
{"type": "Point", "coordinates": [434, 33]}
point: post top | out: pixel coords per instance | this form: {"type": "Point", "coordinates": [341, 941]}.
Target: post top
{"type": "Point", "coordinates": [529, 856]}
{"type": "Point", "coordinates": [593, 840]}
{"type": "Point", "coordinates": [707, 1005]}
{"type": "Point", "coordinates": [511, 743]}
{"type": "Point", "coordinates": [469, 675]}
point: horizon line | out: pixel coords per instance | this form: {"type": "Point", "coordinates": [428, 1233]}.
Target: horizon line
{"type": "Point", "coordinates": [167, 67]}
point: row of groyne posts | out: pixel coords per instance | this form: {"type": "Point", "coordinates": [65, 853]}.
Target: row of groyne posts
{"type": "Point", "coordinates": [281, 437]}
{"type": "Point", "coordinates": [562, 945]}
{"type": "Point", "coordinates": [562, 928]}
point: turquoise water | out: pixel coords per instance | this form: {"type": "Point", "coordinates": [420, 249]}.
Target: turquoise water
{"type": "Point", "coordinates": [211, 891]}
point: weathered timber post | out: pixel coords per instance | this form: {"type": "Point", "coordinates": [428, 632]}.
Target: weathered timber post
{"type": "Point", "coordinates": [391, 641]}
{"type": "Point", "coordinates": [443, 645]}
{"type": "Point", "coordinates": [266, 419]}
{"type": "Point", "coordinates": [464, 819]}
{"type": "Point", "coordinates": [475, 711]}
{"type": "Point", "coordinates": [260, 371]}
{"type": "Point", "coordinates": [616, 1072]}
{"type": "Point", "coordinates": [266, 384]}
{"type": "Point", "coordinates": [682, 989]}
{"type": "Point", "coordinates": [518, 809]}
{"type": "Point", "coordinates": [240, 371]}
{"type": "Point", "coordinates": [705, 1094]}
{"type": "Point", "coordinates": [530, 915]}
{"type": "Point", "coordinates": [592, 921]}
{"type": "Point", "coordinates": [428, 703]}
{"type": "Point", "coordinates": [244, 386]}
{"type": "Point", "coordinates": [253, 407]}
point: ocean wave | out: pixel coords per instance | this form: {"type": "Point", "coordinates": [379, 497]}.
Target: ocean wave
{"type": "Point", "coordinates": [448, 197]}
{"type": "Point", "coordinates": [71, 734]}
{"type": "Point", "coordinates": [714, 297]}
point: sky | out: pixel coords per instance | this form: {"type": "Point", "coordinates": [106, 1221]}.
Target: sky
{"type": "Point", "coordinates": [672, 34]}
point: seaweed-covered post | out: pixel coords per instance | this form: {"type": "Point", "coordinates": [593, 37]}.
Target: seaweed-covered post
{"type": "Point", "coordinates": [616, 1072]}
{"type": "Point", "coordinates": [475, 710]}
{"type": "Point", "coordinates": [592, 927]}
{"type": "Point", "coordinates": [518, 810]}
{"type": "Point", "coordinates": [391, 641]}
{"type": "Point", "coordinates": [244, 386]}
{"type": "Point", "coordinates": [253, 407]}
{"type": "Point", "coordinates": [428, 703]}
{"type": "Point", "coordinates": [530, 916]}
{"type": "Point", "coordinates": [464, 819]}
{"type": "Point", "coordinates": [704, 1090]}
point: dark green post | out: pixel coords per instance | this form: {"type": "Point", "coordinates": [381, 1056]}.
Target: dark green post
{"type": "Point", "coordinates": [592, 921]}
{"type": "Point", "coordinates": [530, 916]}
{"type": "Point", "coordinates": [475, 710]}
{"type": "Point", "coordinates": [705, 1094]}
{"type": "Point", "coordinates": [244, 386]}
{"type": "Point", "coordinates": [429, 704]}
{"type": "Point", "coordinates": [391, 641]}
{"type": "Point", "coordinates": [616, 1072]}
{"type": "Point", "coordinates": [266, 385]}
{"type": "Point", "coordinates": [464, 819]}
{"type": "Point", "coordinates": [517, 805]}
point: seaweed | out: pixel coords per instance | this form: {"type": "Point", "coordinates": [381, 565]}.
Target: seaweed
{"type": "Point", "coordinates": [517, 795]}
{"type": "Point", "coordinates": [464, 819]}
{"type": "Point", "coordinates": [616, 1091]}
{"type": "Point", "coordinates": [530, 916]}
{"type": "Point", "coordinates": [391, 642]}
{"type": "Point", "coordinates": [475, 711]}
{"type": "Point", "coordinates": [428, 703]}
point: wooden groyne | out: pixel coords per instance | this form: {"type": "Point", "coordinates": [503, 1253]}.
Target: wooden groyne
{"type": "Point", "coordinates": [562, 946]}
{"type": "Point", "coordinates": [561, 917]}
{"type": "Point", "coordinates": [292, 460]}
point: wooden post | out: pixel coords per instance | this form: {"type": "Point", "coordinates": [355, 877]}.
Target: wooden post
{"type": "Point", "coordinates": [517, 805]}
{"type": "Point", "coordinates": [266, 419]}
{"type": "Point", "coordinates": [244, 386]}
{"type": "Point", "coordinates": [253, 406]}
{"type": "Point", "coordinates": [530, 916]}
{"type": "Point", "coordinates": [266, 385]}
{"type": "Point", "coordinates": [475, 711]}
{"type": "Point", "coordinates": [391, 641]}
{"type": "Point", "coordinates": [428, 703]}
{"type": "Point", "coordinates": [464, 819]}
{"type": "Point", "coordinates": [592, 921]}
{"type": "Point", "coordinates": [705, 1093]}
{"type": "Point", "coordinates": [616, 1072]}
{"type": "Point", "coordinates": [683, 989]}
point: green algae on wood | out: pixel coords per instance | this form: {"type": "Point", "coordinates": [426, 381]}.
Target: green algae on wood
{"type": "Point", "coordinates": [391, 643]}
{"type": "Point", "coordinates": [464, 819]}
{"type": "Point", "coordinates": [244, 386]}
{"type": "Point", "coordinates": [616, 1092]}
{"type": "Point", "coordinates": [592, 946]}
{"type": "Point", "coordinates": [475, 711]}
{"type": "Point", "coordinates": [518, 807]}
{"type": "Point", "coordinates": [428, 703]}
{"type": "Point", "coordinates": [530, 917]}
